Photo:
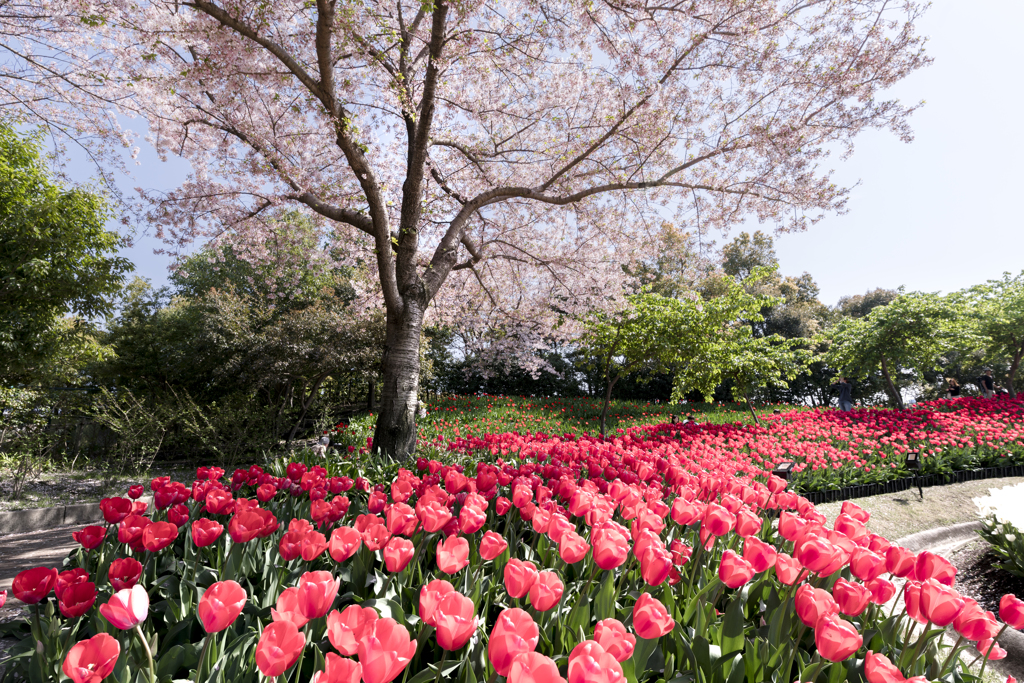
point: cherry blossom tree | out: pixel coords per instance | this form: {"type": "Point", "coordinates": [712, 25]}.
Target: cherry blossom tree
{"type": "Point", "coordinates": [498, 163]}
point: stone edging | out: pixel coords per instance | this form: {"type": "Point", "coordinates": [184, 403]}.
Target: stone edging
{"type": "Point", "coordinates": [38, 519]}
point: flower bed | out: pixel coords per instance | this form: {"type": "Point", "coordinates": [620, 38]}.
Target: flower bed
{"type": "Point", "coordinates": [652, 567]}
{"type": "Point", "coordinates": [830, 449]}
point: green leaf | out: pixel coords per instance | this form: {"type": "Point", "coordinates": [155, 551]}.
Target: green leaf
{"type": "Point", "coordinates": [604, 603]}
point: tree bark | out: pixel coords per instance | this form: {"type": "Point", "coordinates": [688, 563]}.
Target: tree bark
{"type": "Point", "coordinates": [395, 434]}
{"type": "Point", "coordinates": [607, 400]}
{"type": "Point", "coordinates": [1014, 366]}
{"type": "Point", "coordinates": [371, 395]}
{"type": "Point", "coordinates": [894, 393]}
{"type": "Point", "coordinates": [751, 406]}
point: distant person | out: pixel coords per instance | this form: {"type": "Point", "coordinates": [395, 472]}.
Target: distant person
{"type": "Point", "coordinates": [952, 387]}
{"type": "Point", "coordinates": [675, 419]}
{"type": "Point", "coordinates": [988, 384]}
{"type": "Point", "coordinates": [845, 395]}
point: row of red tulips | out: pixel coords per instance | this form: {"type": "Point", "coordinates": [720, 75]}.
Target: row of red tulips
{"type": "Point", "coordinates": [642, 565]}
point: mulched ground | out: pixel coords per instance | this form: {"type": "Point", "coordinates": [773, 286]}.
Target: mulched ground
{"type": "Point", "coordinates": [977, 576]}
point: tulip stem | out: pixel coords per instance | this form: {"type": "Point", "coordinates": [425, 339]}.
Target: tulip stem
{"type": "Point", "coordinates": [817, 671]}
{"type": "Point", "coordinates": [202, 657]}
{"type": "Point", "coordinates": [897, 600]}
{"type": "Point", "coordinates": [149, 653]}
{"type": "Point", "coordinates": [440, 667]}
{"type": "Point", "coordinates": [952, 653]}
{"type": "Point", "coordinates": [920, 642]}
{"type": "Point", "coordinates": [792, 652]}
{"type": "Point", "coordinates": [38, 635]}
{"type": "Point", "coordinates": [985, 663]}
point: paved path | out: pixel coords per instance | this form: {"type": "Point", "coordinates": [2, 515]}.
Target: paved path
{"type": "Point", "coordinates": [19, 552]}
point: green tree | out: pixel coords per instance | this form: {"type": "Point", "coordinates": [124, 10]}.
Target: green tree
{"type": "Point", "coordinates": [56, 258]}
{"type": "Point", "coordinates": [999, 307]}
{"type": "Point", "coordinates": [902, 340]}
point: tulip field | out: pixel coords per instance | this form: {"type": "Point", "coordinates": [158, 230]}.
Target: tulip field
{"type": "Point", "coordinates": [665, 553]}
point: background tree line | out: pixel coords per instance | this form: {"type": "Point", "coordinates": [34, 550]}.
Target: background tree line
{"type": "Point", "coordinates": [233, 359]}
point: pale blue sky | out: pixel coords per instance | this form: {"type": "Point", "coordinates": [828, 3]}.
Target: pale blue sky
{"type": "Point", "coordinates": [934, 215]}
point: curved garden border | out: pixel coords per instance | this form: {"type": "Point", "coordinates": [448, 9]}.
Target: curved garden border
{"type": "Point", "coordinates": [905, 483]}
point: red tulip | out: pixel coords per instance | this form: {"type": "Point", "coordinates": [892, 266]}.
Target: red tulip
{"type": "Point", "coordinates": [266, 492]}
{"type": "Point", "coordinates": [345, 541]}
{"type": "Point", "coordinates": [519, 577]}
{"type": "Point", "coordinates": [376, 536]}
{"type": "Point", "coordinates": [546, 591]}
{"type": "Point", "coordinates": [610, 547]}
{"type": "Point", "coordinates": [246, 525]}
{"type": "Point", "coordinates": [866, 565]}
{"type": "Point", "coordinates": [881, 590]}
{"type": "Point", "coordinates": [433, 515]}
{"type": "Point", "coordinates": [124, 573]}
{"type": "Point", "coordinates": [430, 596]}
{"type": "Point", "coordinates": [816, 554]}
{"type": "Point", "coordinates": [287, 608]}
{"type": "Point", "coordinates": [852, 598]}
{"type": "Point", "coordinates": [290, 545]}
{"type": "Point", "coordinates": [206, 532]}
{"type": "Point", "coordinates": [900, 562]}
{"type": "Point", "coordinates": [179, 515]}
{"type": "Point", "coordinates": [127, 608]}
{"type": "Point", "coordinates": [993, 651]}
{"type": "Point", "coordinates": [492, 545]}
{"type": "Point", "coordinates": [939, 603]}
{"type": "Point", "coordinates": [77, 599]}
{"type": "Point", "coordinates": [878, 669]}
{"type": "Point", "coordinates": [590, 663]}
{"type": "Point", "coordinates": [90, 537]}
{"type": "Point", "coordinates": [912, 599]}
{"type": "Point", "coordinates": [759, 554]}
{"type": "Point", "coordinates": [788, 569]}
{"type": "Point", "coordinates": [455, 621]}
{"type": "Point", "coordinates": [279, 648]}
{"type": "Point", "coordinates": [813, 604]}
{"type": "Point", "coordinates": [338, 670]}
{"type": "Point", "coordinates": [158, 535]}
{"type": "Point", "coordinates": [219, 502]}
{"type": "Point", "coordinates": [855, 511]}
{"type": "Point", "coordinates": [346, 629]}
{"type": "Point", "coordinates": [717, 520]}
{"type": "Point", "coordinates": [129, 531]}
{"type": "Point", "coordinates": [615, 639]}
{"type": "Point", "coordinates": [747, 523]}
{"type": "Point", "coordinates": [402, 520]}
{"type": "Point", "coordinates": [220, 605]}
{"type": "Point", "coordinates": [1011, 610]}
{"type": "Point", "coordinates": [836, 639]}
{"type": "Point", "coordinates": [398, 553]}
{"type": "Point", "coordinates": [932, 566]}
{"type": "Point", "coordinates": [68, 578]}
{"type": "Point", "coordinates": [734, 571]}
{"type": "Point", "coordinates": [92, 660]}
{"type": "Point", "coordinates": [650, 618]}
{"type": "Point", "coordinates": [317, 591]}
{"type": "Point", "coordinates": [533, 667]}
{"type": "Point", "coordinates": [32, 586]}
{"type": "Point", "coordinates": [3, 597]}
{"type": "Point", "coordinates": [973, 623]}
{"type": "Point", "coordinates": [514, 633]}
{"type": "Point", "coordinates": [384, 651]}
{"type": "Point", "coordinates": [452, 554]}
{"type": "Point", "coordinates": [135, 491]}
{"type": "Point", "coordinates": [115, 509]}
{"type": "Point", "coordinates": [471, 520]}
{"type": "Point", "coordinates": [313, 545]}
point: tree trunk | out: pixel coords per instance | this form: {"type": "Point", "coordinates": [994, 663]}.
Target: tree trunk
{"type": "Point", "coordinates": [395, 434]}
{"type": "Point", "coordinates": [894, 393]}
{"type": "Point", "coordinates": [607, 400]}
{"type": "Point", "coordinates": [371, 395]}
{"type": "Point", "coordinates": [751, 406]}
{"type": "Point", "coordinates": [1014, 366]}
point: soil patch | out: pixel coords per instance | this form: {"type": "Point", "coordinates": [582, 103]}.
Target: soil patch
{"type": "Point", "coordinates": [978, 577]}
